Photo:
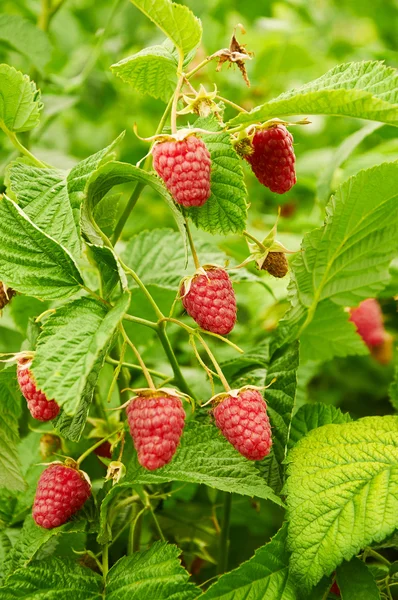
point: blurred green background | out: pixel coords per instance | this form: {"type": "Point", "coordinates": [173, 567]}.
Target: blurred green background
{"type": "Point", "coordinates": [86, 107]}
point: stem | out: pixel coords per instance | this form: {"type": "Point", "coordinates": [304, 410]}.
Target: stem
{"type": "Point", "coordinates": [379, 557]}
{"type": "Point", "coordinates": [178, 376]}
{"type": "Point", "coordinates": [215, 363]}
{"type": "Point", "coordinates": [198, 67]}
{"type": "Point", "coordinates": [155, 519]}
{"type": "Point", "coordinates": [141, 321]}
{"type": "Point", "coordinates": [191, 244]}
{"type": "Point", "coordinates": [135, 532]}
{"type": "Point", "coordinates": [187, 328]}
{"type": "Point", "coordinates": [21, 148]}
{"type": "Point", "coordinates": [45, 15]}
{"type": "Point", "coordinates": [105, 560]}
{"type": "Point", "coordinates": [116, 373]}
{"type": "Point", "coordinates": [95, 295]}
{"type": "Point", "coordinates": [133, 367]}
{"type": "Point", "coordinates": [138, 281]}
{"type": "Point", "coordinates": [177, 93]}
{"type": "Point", "coordinates": [145, 371]}
{"type": "Point", "coordinates": [224, 539]}
{"type": "Point", "coordinates": [255, 240]}
{"type": "Point", "coordinates": [140, 186]}
{"type": "Point", "coordinates": [235, 106]}
{"type": "Point", "coordinates": [96, 445]}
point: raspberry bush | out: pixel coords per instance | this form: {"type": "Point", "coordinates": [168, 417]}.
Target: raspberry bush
{"type": "Point", "coordinates": [198, 287]}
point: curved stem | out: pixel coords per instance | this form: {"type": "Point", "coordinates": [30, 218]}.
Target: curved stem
{"type": "Point", "coordinates": [21, 148]}
{"type": "Point", "coordinates": [255, 240]}
{"type": "Point", "coordinates": [187, 328]}
{"type": "Point", "coordinates": [198, 67]}
{"type": "Point", "coordinates": [215, 363]}
{"type": "Point", "coordinates": [145, 371]}
{"type": "Point", "coordinates": [96, 445]}
{"type": "Point", "coordinates": [177, 93]}
{"type": "Point", "coordinates": [224, 538]}
{"type": "Point", "coordinates": [191, 244]}
{"type": "Point", "coordinates": [140, 284]}
{"type": "Point", "coordinates": [140, 321]}
{"type": "Point", "coordinates": [133, 367]}
{"type": "Point", "coordinates": [235, 106]}
{"type": "Point", "coordinates": [178, 376]}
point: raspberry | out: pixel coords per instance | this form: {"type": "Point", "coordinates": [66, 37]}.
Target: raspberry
{"type": "Point", "coordinates": [276, 264]}
{"type": "Point", "coordinates": [335, 589]}
{"type": "Point", "coordinates": [49, 445]}
{"type": "Point", "coordinates": [6, 294]}
{"type": "Point", "coordinates": [185, 168]}
{"type": "Point", "coordinates": [156, 422]}
{"type": "Point", "coordinates": [61, 491]}
{"type": "Point", "coordinates": [243, 420]}
{"type": "Point", "coordinates": [273, 159]}
{"type": "Point", "coordinates": [104, 450]}
{"type": "Point", "coordinates": [39, 407]}
{"type": "Point", "coordinates": [368, 319]}
{"type": "Point", "coordinates": [211, 301]}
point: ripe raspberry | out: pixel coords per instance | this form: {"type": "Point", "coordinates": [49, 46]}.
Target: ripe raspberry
{"type": "Point", "coordinates": [335, 589]}
{"type": "Point", "coordinates": [185, 168]}
{"type": "Point", "coordinates": [61, 491]}
{"type": "Point", "coordinates": [276, 264]}
{"type": "Point", "coordinates": [368, 319]}
{"type": "Point", "coordinates": [39, 407]}
{"type": "Point", "coordinates": [245, 424]}
{"type": "Point", "coordinates": [104, 450]}
{"type": "Point", "coordinates": [211, 301]}
{"type": "Point", "coordinates": [6, 295]}
{"type": "Point", "coordinates": [156, 422]}
{"type": "Point", "coordinates": [273, 159]}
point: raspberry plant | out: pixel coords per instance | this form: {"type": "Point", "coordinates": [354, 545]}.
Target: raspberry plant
{"type": "Point", "coordinates": [120, 357]}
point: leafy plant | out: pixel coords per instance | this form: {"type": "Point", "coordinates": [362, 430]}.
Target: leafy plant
{"type": "Point", "coordinates": [117, 310]}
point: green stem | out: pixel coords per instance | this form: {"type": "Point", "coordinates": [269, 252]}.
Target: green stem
{"type": "Point", "coordinates": [45, 15]}
{"type": "Point", "coordinates": [198, 67]}
{"type": "Point", "coordinates": [105, 560]}
{"type": "Point", "coordinates": [95, 295]}
{"type": "Point", "coordinates": [235, 106]}
{"type": "Point", "coordinates": [138, 281]}
{"type": "Point", "coordinates": [96, 445]}
{"type": "Point", "coordinates": [143, 366]}
{"type": "Point", "coordinates": [140, 321]}
{"type": "Point", "coordinates": [133, 367]}
{"type": "Point", "coordinates": [377, 556]}
{"type": "Point", "coordinates": [178, 376]}
{"type": "Point", "coordinates": [21, 148]}
{"type": "Point", "coordinates": [224, 538]}
{"type": "Point", "coordinates": [177, 93]}
{"type": "Point", "coordinates": [191, 244]}
{"type": "Point", "coordinates": [135, 532]}
{"type": "Point", "coordinates": [155, 519]}
{"type": "Point", "coordinates": [255, 240]}
{"type": "Point", "coordinates": [215, 363]}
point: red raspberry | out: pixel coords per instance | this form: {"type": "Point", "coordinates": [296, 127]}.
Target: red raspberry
{"type": "Point", "coordinates": [368, 319]}
{"type": "Point", "coordinates": [39, 407]}
{"type": "Point", "coordinates": [61, 491]}
{"type": "Point", "coordinates": [6, 294]}
{"type": "Point", "coordinates": [243, 420]}
{"type": "Point", "coordinates": [185, 168]}
{"type": "Point", "coordinates": [156, 422]}
{"type": "Point", "coordinates": [105, 450]}
{"type": "Point", "coordinates": [335, 589]}
{"type": "Point", "coordinates": [273, 159]}
{"type": "Point", "coordinates": [211, 301]}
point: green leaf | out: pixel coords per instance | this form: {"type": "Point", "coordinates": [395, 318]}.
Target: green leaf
{"type": "Point", "coordinates": [20, 104]}
{"type": "Point", "coordinates": [177, 22]}
{"type": "Point", "coordinates": [205, 456]}
{"type": "Point", "coordinates": [26, 38]}
{"type": "Point", "coordinates": [342, 494]}
{"type": "Point", "coordinates": [152, 71]}
{"type": "Point", "coordinates": [106, 211]}
{"type": "Point", "coordinates": [109, 267]}
{"type": "Point", "coordinates": [366, 90]}
{"type": "Point", "coordinates": [72, 341]}
{"type": "Point", "coordinates": [52, 199]}
{"type": "Point", "coordinates": [10, 466]}
{"type": "Point", "coordinates": [345, 261]}
{"type": "Point", "coordinates": [32, 262]}
{"type": "Point", "coordinates": [31, 539]}
{"type": "Point", "coordinates": [53, 579]}
{"type": "Point", "coordinates": [154, 574]}
{"type": "Point", "coordinates": [312, 416]}
{"type": "Point", "coordinates": [226, 209]}
{"type": "Point", "coordinates": [330, 334]}
{"type": "Point", "coordinates": [265, 576]}
{"type": "Point", "coordinates": [356, 581]}
{"type": "Point", "coordinates": [325, 181]}
{"type": "Point", "coordinates": [116, 173]}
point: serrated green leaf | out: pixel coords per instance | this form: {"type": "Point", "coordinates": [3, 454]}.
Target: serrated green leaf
{"type": "Point", "coordinates": [356, 582]}
{"type": "Point", "coordinates": [73, 339]}
{"type": "Point", "coordinates": [342, 494]}
{"type": "Point", "coordinates": [152, 71]}
{"type": "Point", "coordinates": [10, 466]}
{"type": "Point", "coordinates": [31, 539]}
{"type": "Point", "coordinates": [266, 575]}
{"type": "Point", "coordinates": [205, 456]}
{"type": "Point", "coordinates": [106, 211]}
{"type": "Point", "coordinates": [345, 261]}
{"type": "Point", "coordinates": [32, 262]}
{"type": "Point", "coordinates": [115, 173]}
{"type": "Point", "coordinates": [176, 21]}
{"type": "Point", "coordinates": [109, 267]}
{"type": "Point", "coordinates": [53, 579]}
{"type": "Point", "coordinates": [154, 574]}
{"type": "Point", "coordinates": [366, 90]}
{"type": "Point", "coordinates": [226, 209]}
{"type": "Point", "coordinates": [330, 334]}
{"type": "Point", "coordinates": [26, 38]}
{"type": "Point", "coordinates": [20, 103]}
{"type": "Point", "coordinates": [52, 199]}
{"type": "Point", "coordinates": [312, 416]}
